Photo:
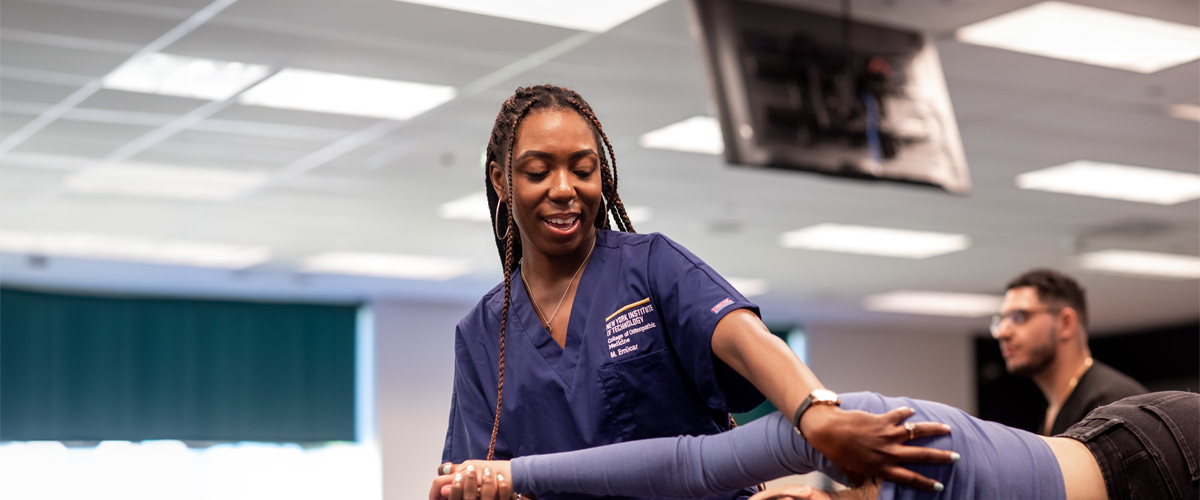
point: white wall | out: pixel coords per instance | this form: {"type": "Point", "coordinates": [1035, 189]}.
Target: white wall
{"type": "Point", "coordinates": [414, 359]}
{"type": "Point", "coordinates": [937, 366]}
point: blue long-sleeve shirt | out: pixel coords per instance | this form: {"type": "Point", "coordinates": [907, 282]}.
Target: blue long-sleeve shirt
{"type": "Point", "coordinates": [998, 462]}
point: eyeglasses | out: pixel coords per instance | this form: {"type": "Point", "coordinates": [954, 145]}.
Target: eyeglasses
{"type": "Point", "coordinates": [1017, 317]}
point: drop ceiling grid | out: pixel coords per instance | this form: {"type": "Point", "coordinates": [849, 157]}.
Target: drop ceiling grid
{"type": "Point", "coordinates": [31, 93]}
{"type": "Point", "coordinates": [88, 19]}
{"type": "Point", "coordinates": [641, 76]}
{"type": "Point", "coordinates": [73, 138]}
{"type": "Point", "coordinates": [235, 150]}
{"type": "Point", "coordinates": [400, 23]}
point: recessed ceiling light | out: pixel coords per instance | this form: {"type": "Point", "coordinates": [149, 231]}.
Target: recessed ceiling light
{"type": "Point", "coordinates": [387, 265]}
{"type": "Point", "coordinates": [1147, 264]}
{"type": "Point", "coordinates": [134, 249]}
{"type": "Point", "coordinates": [967, 305]}
{"type": "Point", "coordinates": [1184, 112]}
{"type": "Point", "coordinates": [698, 134]}
{"type": "Point", "coordinates": [472, 207]}
{"type": "Point", "coordinates": [748, 287]}
{"type": "Point", "coordinates": [1089, 35]}
{"type": "Point", "coordinates": [308, 90]}
{"type": "Point", "coordinates": [639, 214]}
{"type": "Point", "coordinates": [166, 181]}
{"type": "Point", "coordinates": [869, 240]}
{"type": "Point", "coordinates": [1114, 181]}
{"type": "Point", "coordinates": [596, 16]}
{"type": "Point", "coordinates": [182, 76]}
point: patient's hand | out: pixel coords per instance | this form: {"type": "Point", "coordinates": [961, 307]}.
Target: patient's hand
{"type": "Point", "coordinates": [473, 480]}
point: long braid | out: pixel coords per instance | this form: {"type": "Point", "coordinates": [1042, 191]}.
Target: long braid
{"type": "Point", "coordinates": [500, 151]}
{"type": "Point", "coordinates": [615, 204]}
{"type": "Point", "coordinates": [508, 267]}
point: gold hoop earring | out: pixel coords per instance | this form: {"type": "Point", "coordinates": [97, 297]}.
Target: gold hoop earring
{"type": "Point", "coordinates": [602, 216]}
{"type": "Point", "coordinates": [496, 225]}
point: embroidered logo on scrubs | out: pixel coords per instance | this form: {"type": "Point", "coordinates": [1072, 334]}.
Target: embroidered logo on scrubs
{"type": "Point", "coordinates": [623, 326]}
{"type": "Point", "coordinates": [724, 303]}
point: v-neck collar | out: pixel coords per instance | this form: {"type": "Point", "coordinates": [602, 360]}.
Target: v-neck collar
{"type": "Point", "coordinates": [562, 359]}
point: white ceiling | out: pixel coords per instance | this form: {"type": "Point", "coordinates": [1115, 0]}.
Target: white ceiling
{"type": "Point", "coordinates": [367, 186]}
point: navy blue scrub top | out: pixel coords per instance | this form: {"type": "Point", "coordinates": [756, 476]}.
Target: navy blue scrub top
{"type": "Point", "coordinates": [637, 364]}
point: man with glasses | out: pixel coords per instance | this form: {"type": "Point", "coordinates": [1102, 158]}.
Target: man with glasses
{"type": "Point", "coordinates": [1042, 329]}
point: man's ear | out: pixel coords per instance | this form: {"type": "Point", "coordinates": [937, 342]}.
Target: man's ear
{"type": "Point", "coordinates": [1068, 323]}
{"type": "Point", "coordinates": [496, 174]}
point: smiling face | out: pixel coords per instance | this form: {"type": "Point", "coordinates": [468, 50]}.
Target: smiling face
{"type": "Point", "coordinates": [556, 182]}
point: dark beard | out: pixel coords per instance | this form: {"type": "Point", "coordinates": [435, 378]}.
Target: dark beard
{"type": "Point", "coordinates": [1039, 359]}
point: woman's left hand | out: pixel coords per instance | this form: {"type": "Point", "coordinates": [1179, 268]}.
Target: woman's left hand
{"type": "Point", "coordinates": [864, 445]}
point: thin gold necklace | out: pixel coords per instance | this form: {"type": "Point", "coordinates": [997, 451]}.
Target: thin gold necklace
{"type": "Point", "coordinates": [1087, 363]}
{"type": "Point", "coordinates": [564, 295]}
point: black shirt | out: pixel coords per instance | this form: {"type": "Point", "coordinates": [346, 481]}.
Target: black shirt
{"type": "Point", "coordinates": [1100, 385]}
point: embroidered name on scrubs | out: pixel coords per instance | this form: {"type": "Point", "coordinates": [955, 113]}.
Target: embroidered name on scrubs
{"type": "Point", "coordinates": [724, 303]}
{"type": "Point", "coordinates": [623, 327]}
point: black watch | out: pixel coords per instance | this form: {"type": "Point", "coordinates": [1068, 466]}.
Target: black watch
{"type": "Point", "coordinates": [818, 397]}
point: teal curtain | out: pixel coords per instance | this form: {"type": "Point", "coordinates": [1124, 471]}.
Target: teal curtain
{"type": "Point", "coordinates": [97, 368]}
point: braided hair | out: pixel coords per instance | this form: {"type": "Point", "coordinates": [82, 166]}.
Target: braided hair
{"type": "Point", "coordinates": [499, 151]}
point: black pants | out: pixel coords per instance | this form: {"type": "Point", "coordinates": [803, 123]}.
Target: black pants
{"type": "Point", "coordinates": [1148, 446]}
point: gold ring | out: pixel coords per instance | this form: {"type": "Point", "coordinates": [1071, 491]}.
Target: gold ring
{"type": "Point", "coordinates": [912, 430]}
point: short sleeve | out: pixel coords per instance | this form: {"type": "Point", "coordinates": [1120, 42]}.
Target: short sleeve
{"type": "Point", "coordinates": [692, 299]}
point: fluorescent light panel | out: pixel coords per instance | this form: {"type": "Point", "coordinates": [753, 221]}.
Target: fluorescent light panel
{"type": "Point", "coordinates": [1146, 264]}
{"type": "Point", "coordinates": [1184, 112]}
{"type": "Point", "coordinates": [639, 214]}
{"type": "Point", "coordinates": [473, 207]}
{"type": "Point", "coordinates": [308, 90]}
{"type": "Point", "coordinates": [748, 287]}
{"type": "Point", "coordinates": [869, 240]}
{"type": "Point", "coordinates": [698, 134]}
{"type": "Point", "coordinates": [182, 76]}
{"type": "Point", "coordinates": [966, 305]}
{"type": "Point", "coordinates": [1089, 35]}
{"type": "Point", "coordinates": [387, 265]}
{"type": "Point", "coordinates": [134, 249]}
{"type": "Point", "coordinates": [165, 181]}
{"type": "Point", "coordinates": [596, 16]}
{"type": "Point", "coordinates": [1114, 181]}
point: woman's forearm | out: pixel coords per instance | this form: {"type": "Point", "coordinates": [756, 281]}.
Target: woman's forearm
{"type": "Point", "coordinates": [746, 345]}
{"type": "Point", "coordinates": [684, 467]}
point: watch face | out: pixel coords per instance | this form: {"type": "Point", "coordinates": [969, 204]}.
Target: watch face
{"type": "Point", "coordinates": [824, 396]}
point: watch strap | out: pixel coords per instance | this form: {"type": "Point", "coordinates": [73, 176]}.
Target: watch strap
{"type": "Point", "coordinates": [811, 400]}
{"type": "Point", "coordinates": [804, 406]}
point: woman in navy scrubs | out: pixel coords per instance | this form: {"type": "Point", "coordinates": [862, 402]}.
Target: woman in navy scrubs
{"type": "Point", "coordinates": [599, 336]}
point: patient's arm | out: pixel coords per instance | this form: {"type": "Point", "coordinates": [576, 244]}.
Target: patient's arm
{"type": "Point", "coordinates": [688, 466]}
{"type": "Point", "coordinates": [684, 466]}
